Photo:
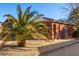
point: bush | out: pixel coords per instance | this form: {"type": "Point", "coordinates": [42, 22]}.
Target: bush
{"type": "Point", "coordinates": [78, 32]}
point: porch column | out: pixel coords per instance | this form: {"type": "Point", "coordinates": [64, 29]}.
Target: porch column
{"type": "Point", "coordinates": [58, 36]}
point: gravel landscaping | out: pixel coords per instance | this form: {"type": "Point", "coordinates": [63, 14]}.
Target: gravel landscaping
{"type": "Point", "coordinates": [30, 50]}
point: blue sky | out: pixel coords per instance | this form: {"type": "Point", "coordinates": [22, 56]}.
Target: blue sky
{"type": "Point", "coordinates": [50, 10]}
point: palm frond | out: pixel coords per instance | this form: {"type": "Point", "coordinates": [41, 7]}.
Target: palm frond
{"type": "Point", "coordinates": [34, 18]}
{"type": "Point", "coordinates": [39, 24]}
{"type": "Point", "coordinates": [19, 12]}
{"type": "Point", "coordinates": [38, 36]}
{"type": "Point", "coordinates": [10, 17]}
{"type": "Point", "coordinates": [25, 16]}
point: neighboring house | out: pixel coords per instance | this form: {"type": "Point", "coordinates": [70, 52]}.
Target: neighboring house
{"type": "Point", "coordinates": [58, 29]}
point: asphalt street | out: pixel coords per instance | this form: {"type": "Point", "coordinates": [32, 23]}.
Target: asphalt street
{"type": "Point", "coordinates": [72, 50]}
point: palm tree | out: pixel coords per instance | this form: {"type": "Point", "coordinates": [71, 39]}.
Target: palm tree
{"type": "Point", "coordinates": [25, 26]}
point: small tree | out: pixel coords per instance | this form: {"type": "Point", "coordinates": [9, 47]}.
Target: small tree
{"type": "Point", "coordinates": [73, 9]}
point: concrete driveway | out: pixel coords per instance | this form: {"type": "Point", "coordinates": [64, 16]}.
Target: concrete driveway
{"type": "Point", "coordinates": [72, 50]}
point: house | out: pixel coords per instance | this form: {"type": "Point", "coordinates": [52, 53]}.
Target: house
{"type": "Point", "coordinates": [58, 29]}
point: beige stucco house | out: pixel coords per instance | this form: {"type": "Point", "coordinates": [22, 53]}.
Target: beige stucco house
{"type": "Point", "coordinates": [58, 29]}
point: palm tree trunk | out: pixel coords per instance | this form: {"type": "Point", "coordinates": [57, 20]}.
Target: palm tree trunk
{"type": "Point", "coordinates": [22, 43]}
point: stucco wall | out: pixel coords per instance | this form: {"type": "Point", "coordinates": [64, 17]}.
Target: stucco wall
{"type": "Point", "coordinates": [56, 28]}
